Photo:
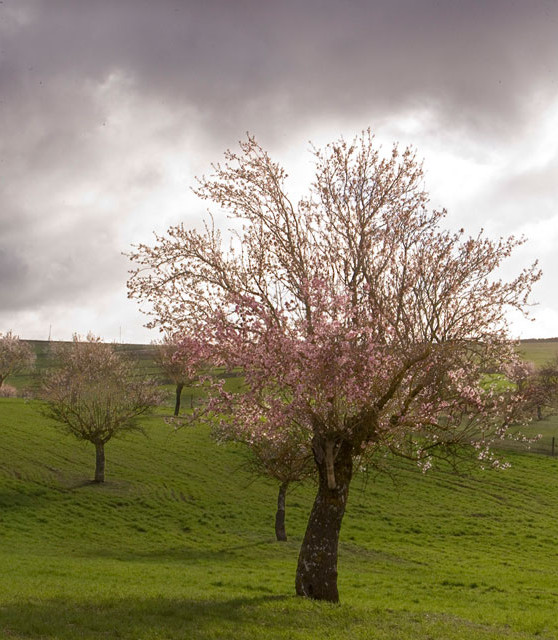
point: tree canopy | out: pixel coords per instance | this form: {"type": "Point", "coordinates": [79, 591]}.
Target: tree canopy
{"type": "Point", "coordinates": [353, 315]}
{"type": "Point", "coordinates": [15, 355]}
{"type": "Point", "coordinates": [95, 394]}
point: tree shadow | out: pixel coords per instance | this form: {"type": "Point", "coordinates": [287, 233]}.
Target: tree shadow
{"type": "Point", "coordinates": [181, 554]}
{"type": "Point", "coordinates": [133, 618]}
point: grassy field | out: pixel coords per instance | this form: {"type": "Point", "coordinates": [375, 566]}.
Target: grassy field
{"type": "Point", "coordinates": [539, 351]}
{"type": "Point", "coordinates": [179, 544]}
{"type": "Point", "coordinates": [44, 351]}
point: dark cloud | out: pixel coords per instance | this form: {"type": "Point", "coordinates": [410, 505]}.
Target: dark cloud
{"type": "Point", "coordinates": [62, 263]}
{"type": "Point", "coordinates": [95, 96]}
{"type": "Point", "coordinates": [477, 63]}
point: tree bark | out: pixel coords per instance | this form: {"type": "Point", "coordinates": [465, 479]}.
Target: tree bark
{"type": "Point", "coordinates": [179, 388]}
{"type": "Point", "coordinates": [316, 574]}
{"type": "Point", "coordinates": [99, 462]}
{"type": "Point", "coordinates": [280, 531]}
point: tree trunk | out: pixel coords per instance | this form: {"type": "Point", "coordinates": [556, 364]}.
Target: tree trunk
{"type": "Point", "coordinates": [179, 388]}
{"type": "Point", "coordinates": [539, 412]}
{"type": "Point", "coordinates": [280, 532]}
{"type": "Point", "coordinates": [316, 574]}
{"type": "Point", "coordinates": [100, 462]}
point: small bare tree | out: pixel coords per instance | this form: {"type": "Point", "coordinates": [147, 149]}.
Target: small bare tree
{"type": "Point", "coordinates": [15, 355]}
{"type": "Point", "coordinates": [96, 394]}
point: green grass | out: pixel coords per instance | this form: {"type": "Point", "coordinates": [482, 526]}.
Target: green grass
{"type": "Point", "coordinates": [539, 351]}
{"type": "Point", "coordinates": [142, 354]}
{"type": "Point", "coordinates": [179, 544]}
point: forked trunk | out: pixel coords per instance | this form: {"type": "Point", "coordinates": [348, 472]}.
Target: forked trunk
{"type": "Point", "coordinates": [99, 462]}
{"type": "Point", "coordinates": [179, 388]}
{"type": "Point", "coordinates": [280, 531]}
{"type": "Point", "coordinates": [316, 574]}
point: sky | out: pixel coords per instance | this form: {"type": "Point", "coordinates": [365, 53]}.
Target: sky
{"type": "Point", "coordinates": [109, 109]}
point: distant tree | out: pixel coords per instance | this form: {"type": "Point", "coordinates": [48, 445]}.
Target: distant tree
{"type": "Point", "coordinates": [545, 388]}
{"type": "Point", "coordinates": [182, 365]}
{"type": "Point", "coordinates": [15, 355]}
{"type": "Point", "coordinates": [351, 314]}
{"type": "Point", "coordinates": [538, 386]}
{"type": "Point", "coordinates": [287, 459]}
{"type": "Point", "coordinates": [95, 394]}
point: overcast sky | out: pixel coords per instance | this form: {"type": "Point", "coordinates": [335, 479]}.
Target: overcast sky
{"type": "Point", "coordinates": [109, 108]}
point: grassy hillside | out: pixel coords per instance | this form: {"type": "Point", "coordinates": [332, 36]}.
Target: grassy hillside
{"type": "Point", "coordinates": [179, 544]}
{"type": "Point", "coordinates": [44, 350]}
{"type": "Point", "coordinates": [539, 351]}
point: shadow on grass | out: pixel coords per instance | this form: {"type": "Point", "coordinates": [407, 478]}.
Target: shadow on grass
{"type": "Point", "coordinates": [241, 618]}
{"type": "Point", "coordinates": [186, 554]}
{"type": "Point", "coordinates": [133, 617]}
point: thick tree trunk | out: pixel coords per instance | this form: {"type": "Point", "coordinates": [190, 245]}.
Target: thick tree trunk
{"type": "Point", "coordinates": [316, 574]}
{"type": "Point", "coordinates": [99, 462]}
{"type": "Point", "coordinates": [179, 388]}
{"type": "Point", "coordinates": [280, 531]}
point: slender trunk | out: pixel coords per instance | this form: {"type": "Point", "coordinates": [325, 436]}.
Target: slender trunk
{"type": "Point", "coordinates": [316, 574]}
{"type": "Point", "coordinates": [179, 388]}
{"type": "Point", "coordinates": [99, 462]}
{"type": "Point", "coordinates": [539, 412]}
{"type": "Point", "coordinates": [280, 532]}
{"type": "Point", "coordinates": [1, 380]}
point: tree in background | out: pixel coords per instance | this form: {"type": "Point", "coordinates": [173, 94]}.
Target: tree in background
{"type": "Point", "coordinates": [545, 389]}
{"type": "Point", "coordinates": [15, 355]}
{"type": "Point", "coordinates": [182, 365]}
{"type": "Point", "coordinates": [95, 394]}
{"type": "Point", "coordinates": [538, 385]}
{"type": "Point", "coordinates": [352, 315]}
{"type": "Point", "coordinates": [286, 459]}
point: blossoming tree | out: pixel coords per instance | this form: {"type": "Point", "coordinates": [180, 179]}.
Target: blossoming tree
{"type": "Point", "coordinates": [352, 314]}
{"type": "Point", "coordinates": [96, 394]}
{"type": "Point", "coordinates": [15, 355]}
{"type": "Point", "coordinates": [283, 456]}
{"type": "Point", "coordinates": [181, 358]}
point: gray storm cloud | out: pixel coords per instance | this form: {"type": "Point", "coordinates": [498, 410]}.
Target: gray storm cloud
{"type": "Point", "coordinates": [487, 59]}
{"type": "Point", "coordinates": [95, 95]}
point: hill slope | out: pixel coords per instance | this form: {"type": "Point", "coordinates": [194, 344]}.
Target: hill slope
{"type": "Point", "coordinates": [179, 544]}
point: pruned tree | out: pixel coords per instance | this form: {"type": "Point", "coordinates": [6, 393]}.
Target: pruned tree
{"type": "Point", "coordinates": [352, 314]}
{"type": "Point", "coordinates": [183, 359]}
{"type": "Point", "coordinates": [15, 356]}
{"type": "Point", "coordinates": [96, 394]}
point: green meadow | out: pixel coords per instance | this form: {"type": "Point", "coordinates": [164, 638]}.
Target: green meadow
{"type": "Point", "coordinates": [179, 544]}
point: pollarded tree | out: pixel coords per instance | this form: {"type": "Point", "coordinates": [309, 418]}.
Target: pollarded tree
{"type": "Point", "coordinates": [353, 315]}
{"type": "Point", "coordinates": [181, 358]}
{"type": "Point", "coordinates": [15, 355]}
{"type": "Point", "coordinates": [95, 394]}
